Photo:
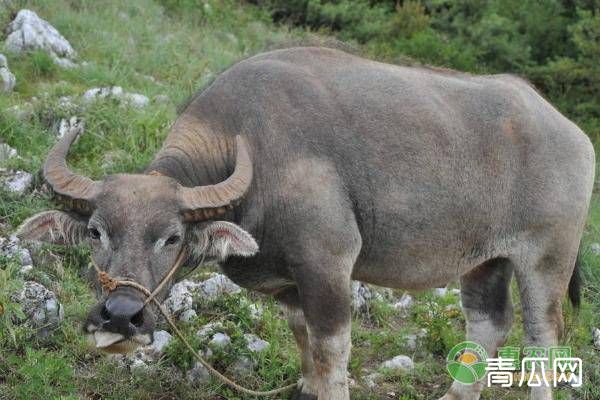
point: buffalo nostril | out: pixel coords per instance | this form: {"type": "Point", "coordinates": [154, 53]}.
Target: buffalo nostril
{"type": "Point", "coordinates": [105, 314]}
{"type": "Point", "coordinates": [123, 313]}
{"type": "Point", "coordinates": [138, 319]}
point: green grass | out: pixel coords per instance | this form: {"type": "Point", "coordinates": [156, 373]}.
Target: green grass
{"type": "Point", "coordinates": [183, 45]}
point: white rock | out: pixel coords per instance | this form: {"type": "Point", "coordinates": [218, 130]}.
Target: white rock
{"type": "Point", "coordinates": [137, 360]}
{"type": "Point", "coordinates": [220, 340]}
{"type": "Point", "coordinates": [217, 286]}
{"type": "Point", "coordinates": [6, 152]}
{"type": "Point", "coordinates": [207, 353]}
{"type": "Point", "coordinates": [180, 297]}
{"type": "Point", "coordinates": [188, 315]}
{"type": "Point", "coordinates": [19, 182]}
{"type": "Point", "coordinates": [11, 247]}
{"type": "Point", "coordinates": [138, 364]}
{"type": "Point", "coordinates": [116, 92]}
{"type": "Point", "coordinates": [26, 269]}
{"type": "Point", "coordinates": [596, 335]}
{"type": "Point", "coordinates": [136, 100]}
{"type": "Point", "coordinates": [7, 79]}
{"type": "Point", "coordinates": [66, 103]}
{"type": "Point", "coordinates": [411, 341]}
{"type": "Point", "coordinates": [161, 340]}
{"type": "Point", "coordinates": [25, 257]}
{"type": "Point", "coordinates": [40, 305]}
{"type": "Point", "coordinates": [361, 295]}
{"type": "Point", "coordinates": [256, 311]}
{"type": "Point", "coordinates": [595, 248]}
{"type": "Point", "coordinates": [440, 292]}
{"type": "Point", "coordinates": [208, 329]}
{"type": "Point", "coordinates": [399, 363]}
{"type": "Point", "coordinates": [64, 62]}
{"type": "Point", "coordinates": [198, 375]}
{"type": "Point", "coordinates": [405, 302]}
{"type": "Point", "coordinates": [101, 93]}
{"type": "Point", "coordinates": [255, 344]}
{"type": "Point", "coordinates": [372, 380]}
{"type": "Point", "coordinates": [29, 32]}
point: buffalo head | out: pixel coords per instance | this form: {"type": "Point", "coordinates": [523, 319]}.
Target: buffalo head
{"type": "Point", "coordinates": [136, 226]}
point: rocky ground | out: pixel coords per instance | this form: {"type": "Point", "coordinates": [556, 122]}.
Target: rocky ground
{"type": "Point", "coordinates": [400, 339]}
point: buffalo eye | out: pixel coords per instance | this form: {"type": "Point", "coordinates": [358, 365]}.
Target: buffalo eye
{"type": "Point", "coordinates": [94, 233]}
{"type": "Point", "coordinates": [172, 240]}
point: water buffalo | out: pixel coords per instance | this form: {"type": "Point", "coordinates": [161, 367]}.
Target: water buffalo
{"type": "Point", "coordinates": [304, 168]}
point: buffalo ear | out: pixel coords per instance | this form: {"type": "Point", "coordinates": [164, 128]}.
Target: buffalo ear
{"type": "Point", "coordinates": [56, 227]}
{"type": "Point", "coordinates": [222, 239]}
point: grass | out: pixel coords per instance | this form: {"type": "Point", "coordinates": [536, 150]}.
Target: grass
{"type": "Point", "coordinates": [173, 48]}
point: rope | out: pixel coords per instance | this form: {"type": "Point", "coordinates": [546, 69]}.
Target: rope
{"type": "Point", "coordinates": [109, 284]}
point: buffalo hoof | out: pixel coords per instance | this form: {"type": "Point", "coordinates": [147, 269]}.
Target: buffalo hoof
{"type": "Point", "coordinates": [299, 395]}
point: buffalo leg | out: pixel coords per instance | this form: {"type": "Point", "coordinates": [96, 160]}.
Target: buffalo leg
{"type": "Point", "coordinates": [328, 319]}
{"type": "Point", "coordinates": [488, 310]}
{"type": "Point", "coordinates": [323, 282]}
{"type": "Point", "coordinates": [543, 284]}
{"type": "Point", "coordinates": [308, 386]}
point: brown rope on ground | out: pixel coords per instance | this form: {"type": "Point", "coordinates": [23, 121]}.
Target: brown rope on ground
{"type": "Point", "coordinates": [109, 284]}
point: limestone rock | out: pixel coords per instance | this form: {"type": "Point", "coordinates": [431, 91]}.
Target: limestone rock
{"type": "Point", "coordinates": [208, 329]}
{"type": "Point", "coordinates": [161, 340]}
{"type": "Point", "coordinates": [412, 339]}
{"type": "Point", "coordinates": [198, 375]}
{"type": "Point", "coordinates": [256, 311]}
{"type": "Point", "coordinates": [405, 302]}
{"type": "Point", "coordinates": [180, 297]}
{"type": "Point", "coordinates": [217, 286]}
{"type": "Point", "coordinates": [11, 247]}
{"type": "Point", "coordinates": [188, 315]}
{"type": "Point", "coordinates": [7, 79]}
{"type": "Point", "coordinates": [6, 152]}
{"type": "Point", "coordinates": [116, 92]}
{"type": "Point", "coordinates": [41, 307]}
{"type": "Point", "coordinates": [372, 380]}
{"type": "Point", "coordinates": [220, 340]}
{"type": "Point", "coordinates": [17, 181]}
{"type": "Point", "coordinates": [255, 344]}
{"type": "Point", "coordinates": [30, 32]}
{"type": "Point", "coordinates": [361, 295]}
{"type": "Point", "coordinates": [399, 363]}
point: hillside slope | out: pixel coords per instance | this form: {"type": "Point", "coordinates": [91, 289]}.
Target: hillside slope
{"type": "Point", "coordinates": [164, 51]}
